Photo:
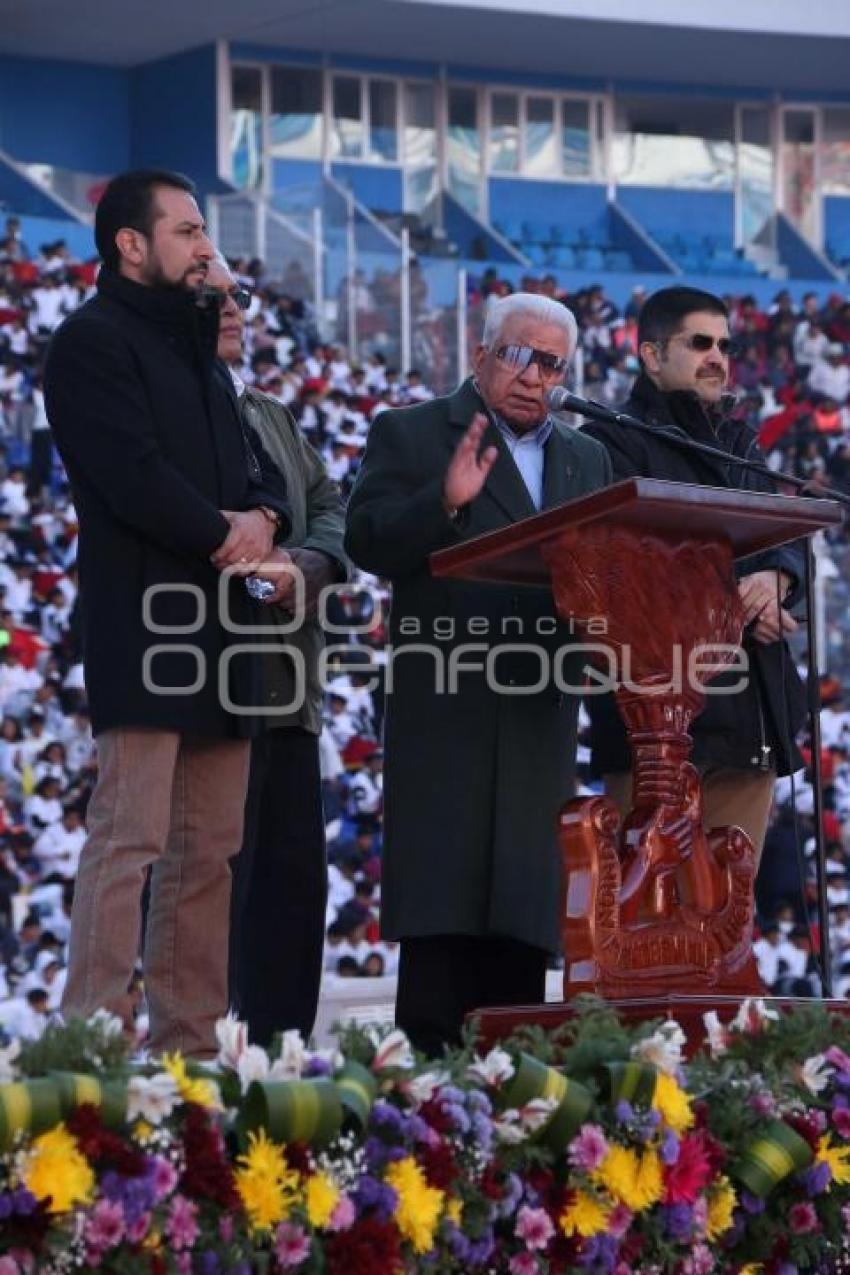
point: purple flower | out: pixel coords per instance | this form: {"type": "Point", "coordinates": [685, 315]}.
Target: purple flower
{"type": "Point", "coordinates": [669, 1149]}
{"type": "Point", "coordinates": [482, 1128]}
{"type": "Point", "coordinates": [386, 1118]}
{"type": "Point", "coordinates": [210, 1263]}
{"type": "Point", "coordinates": [317, 1067]}
{"type": "Point", "coordinates": [599, 1253]}
{"type": "Point", "coordinates": [817, 1178]}
{"type": "Point", "coordinates": [511, 1197]}
{"type": "Point", "coordinates": [588, 1148]}
{"type": "Point", "coordinates": [751, 1203]}
{"type": "Point", "coordinates": [679, 1221]}
{"type": "Point", "coordinates": [624, 1112]}
{"type": "Point", "coordinates": [471, 1252]}
{"type": "Point", "coordinates": [370, 1195]}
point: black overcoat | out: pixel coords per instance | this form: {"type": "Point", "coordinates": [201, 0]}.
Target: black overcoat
{"type": "Point", "coordinates": [148, 428]}
{"type": "Point", "coordinates": [473, 779]}
{"type": "Point", "coordinates": [732, 730]}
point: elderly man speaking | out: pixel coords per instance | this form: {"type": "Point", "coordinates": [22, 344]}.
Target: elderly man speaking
{"type": "Point", "coordinates": [477, 762]}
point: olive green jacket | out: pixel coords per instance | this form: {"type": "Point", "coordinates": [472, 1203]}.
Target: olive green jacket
{"type": "Point", "coordinates": [318, 522]}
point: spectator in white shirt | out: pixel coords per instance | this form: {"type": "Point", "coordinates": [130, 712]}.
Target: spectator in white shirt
{"type": "Point", "coordinates": [58, 847]}
{"type": "Point", "coordinates": [830, 376]}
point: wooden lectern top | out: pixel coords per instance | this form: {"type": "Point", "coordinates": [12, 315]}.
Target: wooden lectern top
{"type": "Point", "coordinates": [749, 521]}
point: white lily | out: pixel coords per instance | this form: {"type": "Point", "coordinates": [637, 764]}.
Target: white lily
{"type": "Point", "coordinates": [495, 1068]}
{"type": "Point", "coordinates": [753, 1016]}
{"type": "Point", "coordinates": [232, 1037]}
{"type": "Point", "coordinates": [535, 1113]}
{"type": "Point", "coordinates": [109, 1024]}
{"type": "Point", "coordinates": [8, 1070]}
{"type": "Point", "coordinates": [815, 1073]}
{"type": "Point", "coordinates": [421, 1089]}
{"type": "Point", "coordinates": [716, 1035]}
{"type": "Point", "coordinates": [151, 1098]}
{"type": "Point", "coordinates": [663, 1048]}
{"type": "Point", "coordinates": [393, 1051]}
{"type": "Point", "coordinates": [508, 1128]}
{"type": "Point", "coordinates": [253, 1065]}
{"type": "Point", "coordinates": [289, 1064]}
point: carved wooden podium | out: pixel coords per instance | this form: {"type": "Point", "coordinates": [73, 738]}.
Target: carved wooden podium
{"type": "Point", "coordinates": [653, 906]}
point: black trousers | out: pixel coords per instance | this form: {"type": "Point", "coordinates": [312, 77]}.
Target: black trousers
{"type": "Point", "coordinates": [442, 977]}
{"type": "Point", "coordinates": [277, 916]}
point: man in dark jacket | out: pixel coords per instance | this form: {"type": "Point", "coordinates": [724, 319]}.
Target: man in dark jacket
{"type": "Point", "coordinates": [742, 741]}
{"type": "Point", "coordinates": [280, 876]}
{"type": "Point", "coordinates": [174, 506]}
{"type": "Point", "coordinates": [477, 763]}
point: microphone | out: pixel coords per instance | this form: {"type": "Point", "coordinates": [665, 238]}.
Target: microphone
{"type": "Point", "coordinates": [562, 400]}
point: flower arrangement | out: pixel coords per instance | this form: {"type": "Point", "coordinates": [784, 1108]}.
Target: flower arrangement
{"type": "Point", "coordinates": [597, 1148]}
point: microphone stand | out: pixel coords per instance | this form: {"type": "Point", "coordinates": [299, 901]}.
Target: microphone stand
{"type": "Point", "coordinates": [598, 411]}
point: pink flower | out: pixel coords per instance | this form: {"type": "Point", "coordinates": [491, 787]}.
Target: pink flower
{"type": "Point", "coordinates": [182, 1225]}
{"type": "Point", "coordinates": [845, 1216]}
{"type": "Point", "coordinates": [534, 1226]}
{"type": "Point", "coordinates": [105, 1227]}
{"type": "Point", "coordinates": [588, 1148]}
{"type": "Point", "coordinates": [841, 1121]}
{"type": "Point", "coordinates": [184, 1263]}
{"type": "Point", "coordinates": [136, 1231]}
{"type": "Point", "coordinates": [225, 1228]}
{"type": "Point", "coordinates": [343, 1215]}
{"type": "Point", "coordinates": [619, 1220]}
{"type": "Point", "coordinates": [838, 1058]}
{"type": "Point", "coordinates": [291, 1245]}
{"type": "Point", "coordinates": [523, 1264]}
{"type": "Point", "coordinates": [803, 1218]}
{"type": "Point", "coordinates": [163, 1177]}
{"type": "Point", "coordinates": [8, 1266]}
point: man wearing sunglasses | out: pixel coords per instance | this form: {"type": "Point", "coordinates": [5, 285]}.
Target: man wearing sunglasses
{"type": "Point", "coordinates": [477, 764]}
{"type": "Point", "coordinates": [742, 741]}
{"type": "Point", "coordinates": [280, 876]}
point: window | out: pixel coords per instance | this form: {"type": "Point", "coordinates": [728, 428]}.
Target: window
{"type": "Point", "coordinates": [246, 127]}
{"type": "Point", "coordinates": [541, 139]}
{"type": "Point", "coordinates": [684, 142]}
{"type": "Point", "coordinates": [576, 151]}
{"type": "Point", "coordinates": [295, 125]}
{"type": "Point", "coordinates": [347, 133]}
{"type": "Point", "coordinates": [463, 148]}
{"type": "Point", "coordinates": [835, 158]}
{"type": "Point", "coordinates": [383, 121]}
{"type": "Point", "coordinates": [504, 133]}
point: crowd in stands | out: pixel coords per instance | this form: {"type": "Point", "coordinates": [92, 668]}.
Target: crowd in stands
{"type": "Point", "coordinates": [792, 378]}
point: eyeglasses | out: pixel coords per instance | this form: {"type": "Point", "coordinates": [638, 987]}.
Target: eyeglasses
{"type": "Point", "coordinates": [520, 357]}
{"type": "Point", "coordinates": [208, 295]}
{"type": "Point", "coordinates": [701, 342]}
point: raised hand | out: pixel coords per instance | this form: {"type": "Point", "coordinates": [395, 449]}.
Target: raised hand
{"type": "Point", "coordinates": [468, 470]}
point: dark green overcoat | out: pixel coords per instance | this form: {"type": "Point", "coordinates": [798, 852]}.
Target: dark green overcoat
{"type": "Point", "coordinates": [474, 775]}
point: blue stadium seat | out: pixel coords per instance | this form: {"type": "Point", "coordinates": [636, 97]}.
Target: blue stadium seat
{"type": "Point", "coordinates": [536, 232]}
{"type": "Point", "coordinates": [562, 256]}
{"type": "Point", "coordinates": [536, 253]}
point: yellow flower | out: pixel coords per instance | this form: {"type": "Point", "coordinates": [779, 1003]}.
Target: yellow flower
{"type": "Point", "coordinates": [632, 1178]}
{"type": "Point", "coordinates": [54, 1166]}
{"type": "Point", "coordinates": [838, 1159]}
{"type": "Point", "coordinates": [267, 1186]}
{"type": "Point", "coordinates": [672, 1103]}
{"type": "Point", "coordinates": [419, 1205]}
{"type": "Point", "coordinates": [751, 1268]}
{"type": "Point", "coordinates": [721, 1202]}
{"type": "Point", "coordinates": [321, 1198]}
{"type": "Point", "coordinates": [586, 1216]}
{"type": "Point", "coordinates": [454, 1211]}
{"type": "Point", "coordinates": [192, 1088]}
{"type": "Point", "coordinates": [142, 1131]}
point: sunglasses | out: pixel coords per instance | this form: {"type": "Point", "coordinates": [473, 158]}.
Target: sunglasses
{"type": "Point", "coordinates": [208, 295]}
{"type": "Point", "coordinates": [701, 342]}
{"type": "Point", "coordinates": [520, 357]}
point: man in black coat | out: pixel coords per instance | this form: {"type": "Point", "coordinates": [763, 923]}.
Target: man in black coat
{"type": "Point", "coordinates": [480, 744]}
{"type": "Point", "coordinates": [174, 507]}
{"type": "Point", "coordinates": [742, 741]}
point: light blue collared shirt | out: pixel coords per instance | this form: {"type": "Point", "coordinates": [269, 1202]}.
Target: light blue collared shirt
{"type": "Point", "coordinates": [529, 454]}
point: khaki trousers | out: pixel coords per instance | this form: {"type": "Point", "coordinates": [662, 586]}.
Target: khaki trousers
{"type": "Point", "coordinates": [740, 798]}
{"type": "Point", "coordinates": [174, 804]}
